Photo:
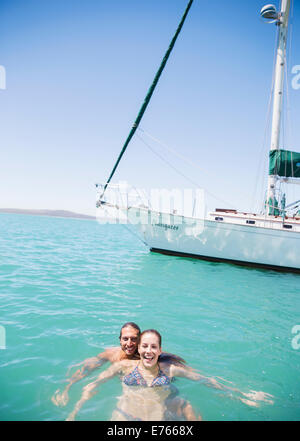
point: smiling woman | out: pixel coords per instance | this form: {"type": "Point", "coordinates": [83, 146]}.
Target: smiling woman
{"type": "Point", "coordinates": [144, 382]}
{"type": "Point", "coordinates": [150, 347]}
{"type": "Point", "coordinates": [148, 394]}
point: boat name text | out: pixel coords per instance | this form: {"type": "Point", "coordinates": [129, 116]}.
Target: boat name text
{"type": "Point", "coordinates": [166, 226]}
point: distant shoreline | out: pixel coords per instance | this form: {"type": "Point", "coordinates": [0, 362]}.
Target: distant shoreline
{"type": "Point", "coordinates": [54, 213]}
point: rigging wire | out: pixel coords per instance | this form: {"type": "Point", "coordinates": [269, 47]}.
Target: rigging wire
{"type": "Point", "coordinates": [134, 234]}
{"type": "Point", "coordinates": [286, 120]}
{"type": "Point", "coordinates": [260, 175]}
{"type": "Point", "coordinates": [168, 163]}
{"type": "Point", "coordinates": [288, 63]}
{"type": "Point", "coordinates": [183, 158]}
{"type": "Point", "coordinates": [182, 174]}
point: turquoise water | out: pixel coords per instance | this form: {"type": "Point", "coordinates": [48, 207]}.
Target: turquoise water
{"type": "Point", "coordinates": [67, 285]}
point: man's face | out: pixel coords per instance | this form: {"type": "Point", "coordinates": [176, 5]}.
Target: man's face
{"type": "Point", "coordinates": [129, 340]}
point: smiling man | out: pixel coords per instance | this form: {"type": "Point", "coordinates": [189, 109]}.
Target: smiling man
{"type": "Point", "coordinates": [129, 339]}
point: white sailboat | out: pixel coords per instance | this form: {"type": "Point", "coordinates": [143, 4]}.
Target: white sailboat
{"type": "Point", "coordinates": [270, 240]}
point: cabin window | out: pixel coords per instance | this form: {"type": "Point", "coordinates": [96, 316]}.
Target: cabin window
{"type": "Point", "coordinates": [251, 222]}
{"type": "Point", "coordinates": [287, 226]}
{"type": "Point", "coordinates": [218, 218]}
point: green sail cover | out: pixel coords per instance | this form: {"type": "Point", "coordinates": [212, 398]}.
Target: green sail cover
{"type": "Point", "coordinates": [284, 163]}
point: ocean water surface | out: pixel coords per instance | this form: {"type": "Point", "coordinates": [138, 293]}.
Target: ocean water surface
{"type": "Point", "coordinates": [67, 286]}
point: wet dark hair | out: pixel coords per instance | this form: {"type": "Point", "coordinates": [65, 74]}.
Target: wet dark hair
{"type": "Point", "coordinates": [130, 325]}
{"type": "Point", "coordinates": [165, 356]}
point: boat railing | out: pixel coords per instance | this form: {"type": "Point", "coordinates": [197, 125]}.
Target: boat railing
{"type": "Point", "coordinates": [121, 195]}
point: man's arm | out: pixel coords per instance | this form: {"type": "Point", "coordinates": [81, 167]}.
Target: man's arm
{"type": "Point", "coordinates": [89, 365]}
{"type": "Point", "coordinates": [90, 390]}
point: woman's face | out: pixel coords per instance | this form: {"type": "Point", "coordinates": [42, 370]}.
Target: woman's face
{"type": "Point", "coordinates": [149, 349]}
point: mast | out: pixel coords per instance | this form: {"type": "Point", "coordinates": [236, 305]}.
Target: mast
{"type": "Point", "coordinates": [281, 21]}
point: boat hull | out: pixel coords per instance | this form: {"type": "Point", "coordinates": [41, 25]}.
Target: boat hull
{"type": "Point", "coordinates": [215, 241]}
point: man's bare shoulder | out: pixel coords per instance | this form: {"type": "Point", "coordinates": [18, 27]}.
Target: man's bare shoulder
{"type": "Point", "coordinates": [127, 365]}
{"type": "Point", "coordinates": [111, 354]}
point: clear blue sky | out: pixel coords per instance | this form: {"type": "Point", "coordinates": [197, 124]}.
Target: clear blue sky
{"type": "Point", "coordinates": [78, 71]}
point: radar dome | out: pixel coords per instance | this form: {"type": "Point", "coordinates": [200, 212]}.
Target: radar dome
{"type": "Point", "coordinates": [269, 12]}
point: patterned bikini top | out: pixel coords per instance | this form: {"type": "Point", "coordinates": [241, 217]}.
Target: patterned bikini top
{"type": "Point", "coordinates": [134, 378]}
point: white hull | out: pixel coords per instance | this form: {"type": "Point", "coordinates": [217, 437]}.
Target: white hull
{"type": "Point", "coordinates": [268, 244]}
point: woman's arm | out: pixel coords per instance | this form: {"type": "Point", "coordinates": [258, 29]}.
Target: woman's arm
{"type": "Point", "coordinates": [90, 389]}
{"type": "Point", "coordinates": [179, 371]}
{"type": "Point", "coordinates": [250, 398]}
